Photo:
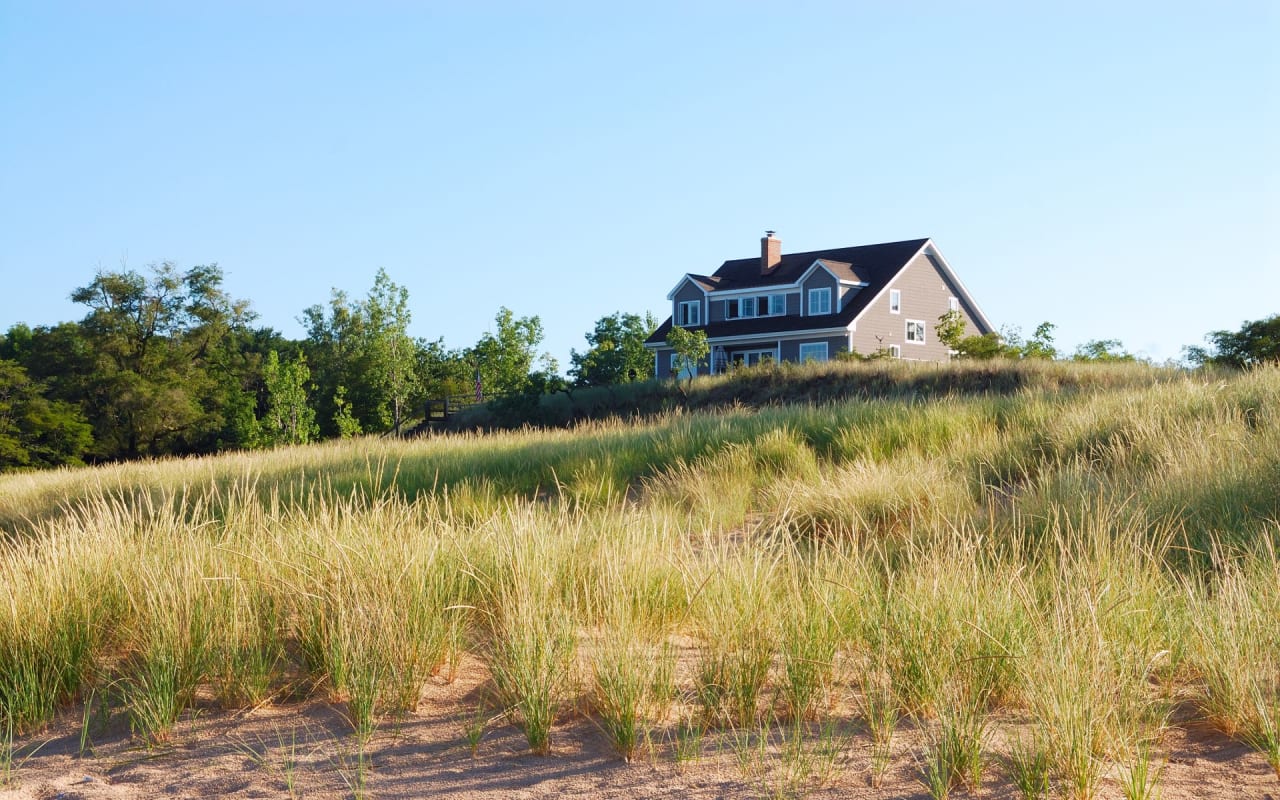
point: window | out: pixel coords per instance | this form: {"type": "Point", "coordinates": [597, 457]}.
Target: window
{"type": "Point", "coordinates": [895, 351]}
{"type": "Point", "coordinates": [895, 301]}
{"type": "Point", "coordinates": [953, 304]}
{"type": "Point", "coordinates": [815, 351]}
{"type": "Point", "coordinates": [766, 305]}
{"type": "Point", "coordinates": [688, 371]}
{"type": "Point", "coordinates": [915, 331]}
{"type": "Point", "coordinates": [752, 358]}
{"type": "Point", "coordinates": [743, 308]}
{"type": "Point", "coordinates": [689, 313]}
{"type": "Point", "coordinates": [819, 302]}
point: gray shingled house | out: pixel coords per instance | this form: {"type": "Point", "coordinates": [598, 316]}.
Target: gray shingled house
{"type": "Point", "coordinates": [811, 306]}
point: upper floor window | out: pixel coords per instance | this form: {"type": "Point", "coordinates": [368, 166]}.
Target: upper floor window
{"type": "Point", "coordinates": [688, 313]}
{"type": "Point", "coordinates": [766, 305]}
{"type": "Point", "coordinates": [953, 304]}
{"type": "Point", "coordinates": [895, 301]}
{"type": "Point", "coordinates": [820, 301]}
{"type": "Point", "coordinates": [915, 331]}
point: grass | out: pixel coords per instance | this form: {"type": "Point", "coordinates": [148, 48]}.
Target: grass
{"type": "Point", "coordinates": [1077, 547]}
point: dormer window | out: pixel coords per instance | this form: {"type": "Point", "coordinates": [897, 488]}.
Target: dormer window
{"type": "Point", "coordinates": [689, 313]}
{"type": "Point", "coordinates": [765, 305]}
{"type": "Point", "coordinates": [819, 301]}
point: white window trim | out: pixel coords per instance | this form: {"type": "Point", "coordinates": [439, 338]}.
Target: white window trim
{"type": "Point", "coordinates": [800, 352]}
{"type": "Point", "coordinates": [697, 305]}
{"type": "Point", "coordinates": [825, 290]}
{"type": "Point", "coordinates": [907, 332]}
{"type": "Point", "coordinates": [689, 371]}
{"type": "Point", "coordinates": [895, 351]}
{"type": "Point", "coordinates": [772, 352]}
{"type": "Point", "coordinates": [895, 301]}
{"type": "Point", "coordinates": [953, 303]}
{"type": "Point", "coordinates": [755, 299]}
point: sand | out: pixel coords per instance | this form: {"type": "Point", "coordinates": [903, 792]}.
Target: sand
{"type": "Point", "coordinates": [306, 750]}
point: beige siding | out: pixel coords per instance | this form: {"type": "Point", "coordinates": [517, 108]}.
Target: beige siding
{"type": "Point", "coordinates": [925, 292]}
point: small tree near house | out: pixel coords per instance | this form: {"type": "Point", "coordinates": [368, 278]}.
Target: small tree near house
{"type": "Point", "coordinates": [691, 349]}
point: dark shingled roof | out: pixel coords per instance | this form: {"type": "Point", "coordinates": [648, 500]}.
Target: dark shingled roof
{"type": "Point", "coordinates": [873, 264]}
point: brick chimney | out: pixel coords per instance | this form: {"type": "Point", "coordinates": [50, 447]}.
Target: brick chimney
{"type": "Point", "coordinates": [770, 252]}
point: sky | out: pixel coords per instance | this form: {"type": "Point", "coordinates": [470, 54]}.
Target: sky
{"type": "Point", "coordinates": [1111, 167]}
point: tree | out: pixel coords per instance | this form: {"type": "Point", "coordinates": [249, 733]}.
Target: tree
{"type": "Point", "coordinates": [391, 352]}
{"type": "Point", "coordinates": [950, 330]}
{"type": "Point", "coordinates": [443, 372]}
{"type": "Point", "coordinates": [152, 340]}
{"type": "Point", "coordinates": [289, 419]}
{"type": "Point", "coordinates": [617, 353]}
{"type": "Point", "coordinates": [1257, 342]}
{"type": "Point", "coordinates": [35, 431]}
{"type": "Point", "coordinates": [1102, 350]}
{"type": "Point", "coordinates": [1040, 345]}
{"type": "Point", "coordinates": [504, 359]}
{"type": "Point", "coordinates": [336, 354]}
{"type": "Point", "coordinates": [691, 349]}
{"type": "Point", "coordinates": [346, 423]}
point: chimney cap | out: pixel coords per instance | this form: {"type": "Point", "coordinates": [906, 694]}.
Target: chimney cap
{"type": "Point", "coordinates": [770, 233]}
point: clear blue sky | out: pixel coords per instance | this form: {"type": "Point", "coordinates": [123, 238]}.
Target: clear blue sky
{"type": "Point", "coordinates": [1112, 167]}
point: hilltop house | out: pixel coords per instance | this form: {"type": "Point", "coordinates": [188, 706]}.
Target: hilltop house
{"type": "Point", "coordinates": [811, 306]}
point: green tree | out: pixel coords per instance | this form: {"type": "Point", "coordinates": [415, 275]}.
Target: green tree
{"type": "Point", "coordinates": [1040, 345]}
{"type": "Point", "coordinates": [37, 432]}
{"type": "Point", "coordinates": [691, 349]}
{"type": "Point", "coordinates": [335, 349]}
{"type": "Point", "coordinates": [289, 419]}
{"type": "Point", "coordinates": [346, 423]}
{"type": "Point", "coordinates": [153, 339]}
{"type": "Point", "coordinates": [504, 358]}
{"type": "Point", "coordinates": [1102, 350]}
{"type": "Point", "coordinates": [392, 353]}
{"type": "Point", "coordinates": [1257, 342]}
{"type": "Point", "coordinates": [617, 353]}
{"type": "Point", "coordinates": [950, 329]}
{"type": "Point", "coordinates": [443, 372]}
{"type": "Point", "coordinates": [364, 347]}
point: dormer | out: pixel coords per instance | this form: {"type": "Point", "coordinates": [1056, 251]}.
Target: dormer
{"type": "Point", "coordinates": [689, 301]}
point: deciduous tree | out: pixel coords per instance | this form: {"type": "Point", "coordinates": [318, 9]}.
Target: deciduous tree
{"type": "Point", "coordinates": [617, 353]}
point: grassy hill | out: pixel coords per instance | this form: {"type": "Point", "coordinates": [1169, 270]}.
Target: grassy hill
{"type": "Point", "coordinates": [1087, 551]}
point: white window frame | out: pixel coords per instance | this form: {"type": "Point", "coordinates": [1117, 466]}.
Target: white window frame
{"type": "Point", "coordinates": [921, 326]}
{"type": "Point", "coordinates": [812, 346]}
{"type": "Point", "coordinates": [777, 305]}
{"type": "Point", "coordinates": [692, 320]}
{"type": "Point", "coordinates": [771, 352]}
{"type": "Point", "coordinates": [895, 301]}
{"type": "Point", "coordinates": [824, 292]}
{"type": "Point", "coordinates": [953, 303]}
{"type": "Point", "coordinates": [895, 351]}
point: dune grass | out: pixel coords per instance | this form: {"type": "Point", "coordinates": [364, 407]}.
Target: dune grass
{"type": "Point", "coordinates": [1079, 552]}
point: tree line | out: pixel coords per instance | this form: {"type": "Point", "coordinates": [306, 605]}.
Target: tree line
{"type": "Point", "coordinates": [166, 362]}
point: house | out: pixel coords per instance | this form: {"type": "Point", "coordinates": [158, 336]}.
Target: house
{"type": "Point", "coordinates": [814, 305]}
